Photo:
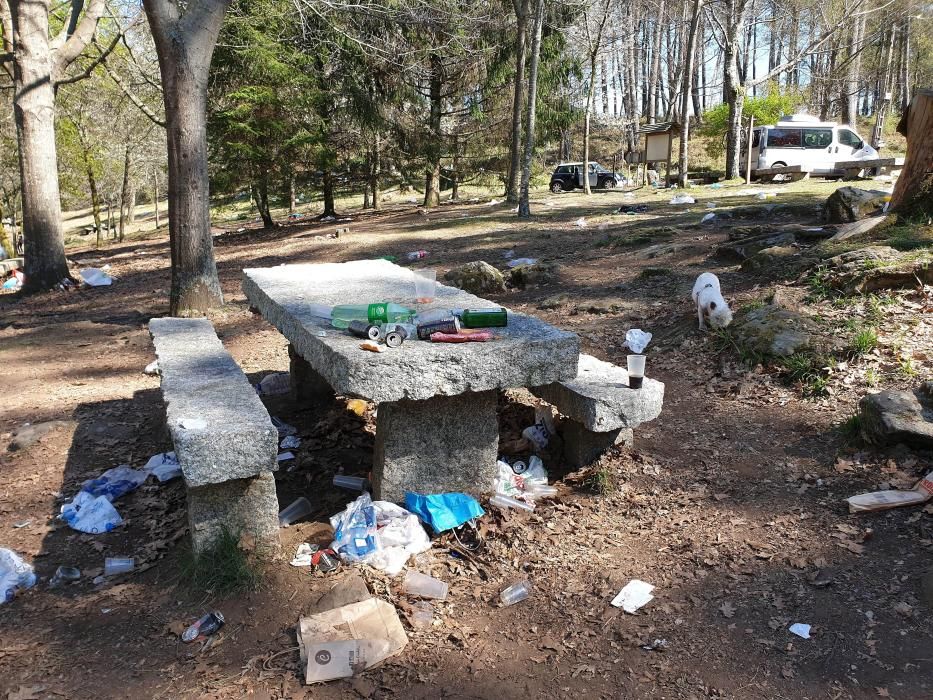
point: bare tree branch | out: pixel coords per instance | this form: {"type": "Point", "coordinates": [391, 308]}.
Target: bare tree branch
{"type": "Point", "coordinates": [79, 39]}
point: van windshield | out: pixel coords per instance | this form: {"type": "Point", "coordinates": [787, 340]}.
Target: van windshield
{"type": "Point", "coordinates": [784, 138]}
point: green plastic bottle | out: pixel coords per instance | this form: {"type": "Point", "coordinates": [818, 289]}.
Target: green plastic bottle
{"type": "Point", "coordinates": [382, 312]}
{"type": "Point", "coordinates": [484, 318]}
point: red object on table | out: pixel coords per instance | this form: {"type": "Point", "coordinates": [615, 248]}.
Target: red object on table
{"type": "Point", "coordinates": [461, 337]}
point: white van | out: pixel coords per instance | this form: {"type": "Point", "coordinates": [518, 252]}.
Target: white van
{"type": "Point", "coordinates": [813, 145]}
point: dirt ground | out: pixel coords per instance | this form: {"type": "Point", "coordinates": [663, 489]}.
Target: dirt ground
{"type": "Point", "coordinates": [731, 503]}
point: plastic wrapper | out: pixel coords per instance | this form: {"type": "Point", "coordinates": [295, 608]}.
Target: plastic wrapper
{"type": "Point", "coordinates": [355, 530]}
{"type": "Point", "coordinates": [637, 340]}
{"type": "Point", "coordinates": [444, 511]}
{"type": "Point", "coordinates": [15, 575]}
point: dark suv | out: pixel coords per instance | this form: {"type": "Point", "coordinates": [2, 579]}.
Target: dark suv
{"type": "Point", "coordinates": [568, 176]}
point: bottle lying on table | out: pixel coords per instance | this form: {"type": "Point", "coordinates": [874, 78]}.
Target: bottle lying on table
{"type": "Point", "coordinates": [484, 318]}
{"type": "Point", "coordinates": [383, 312]}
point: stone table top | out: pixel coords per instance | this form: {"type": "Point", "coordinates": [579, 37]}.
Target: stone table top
{"type": "Point", "coordinates": [528, 352]}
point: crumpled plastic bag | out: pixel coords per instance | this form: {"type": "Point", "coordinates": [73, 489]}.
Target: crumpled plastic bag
{"type": "Point", "coordinates": [355, 529]}
{"type": "Point", "coordinates": [682, 199]}
{"type": "Point", "coordinates": [443, 511]}
{"type": "Point", "coordinates": [515, 483]}
{"type": "Point", "coordinates": [637, 340]}
{"type": "Point", "coordinates": [519, 262]}
{"type": "Point", "coordinates": [398, 537]}
{"type": "Point", "coordinates": [15, 575]}
{"type": "Point", "coordinates": [91, 514]}
{"type": "Point", "coordinates": [163, 466]}
{"type": "Point", "coordinates": [115, 482]}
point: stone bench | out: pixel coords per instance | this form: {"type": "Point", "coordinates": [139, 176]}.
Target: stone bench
{"type": "Point", "coordinates": [602, 409]}
{"type": "Point", "coordinates": [223, 436]}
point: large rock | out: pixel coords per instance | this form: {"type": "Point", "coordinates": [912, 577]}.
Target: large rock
{"type": "Point", "coordinates": [533, 275]}
{"type": "Point", "coordinates": [220, 428]}
{"type": "Point", "coordinates": [772, 258]}
{"type": "Point", "coordinates": [878, 267]}
{"type": "Point", "coordinates": [857, 260]}
{"type": "Point", "coordinates": [892, 416]}
{"type": "Point", "coordinates": [747, 247]}
{"type": "Point", "coordinates": [849, 204]}
{"type": "Point", "coordinates": [599, 398]}
{"type": "Point", "coordinates": [477, 278]}
{"type": "Point", "coordinates": [772, 331]}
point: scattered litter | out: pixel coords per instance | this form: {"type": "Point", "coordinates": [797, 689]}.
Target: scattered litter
{"type": "Point", "coordinates": [303, 554]}
{"type": "Point", "coordinates": [416, 255]}
{"type": "Point", "coordinates": [89, 514]}
{"type": "Point", "coordinates": [716, 186]}
{"type": "Point", "coordinates": [711, 205]}
{"type": "Point", "coordinates": [344, 641]}
{"type": "Point", "coordinates": [94, 277]}
{"type": "Point", "coordinates": [519, 262]}
{"type": "Point", "coordinates": [152, 369]}
{"type": "Point", "coordinates": [16, 280]}
{"type": "Point", "coordinates": [636, 594]}
{"type": "Point", "coordinates": [353, 483]}
{"type": "Point", "coordinates": [656, 645]}
{"type": "Point", "coordinates": [399, 535]}
{"type": "Point", "coordinates": [290, 442]}
{"type": "Point", "coordinates": [63, 574]}
{"type": "Point", "coordinates": [682, 199]}
{"type": "Point", "coordinates": [118, 565]}
{"type": "Point", "coordinates": [708, 217]}
{"type": "Point", "coordinates": [324, 560]}
{"type": "Point", "coordinates": [354, 529]}
{"type": "Point", "coordinates": [203, 628]}
{"type": "Point", "coordinates": [632, 209]}
{"type": "Point", "coordinates": [424, 586]}
{"type": "Point", "coordinates": [295, 511]}
{"type": "Point", "coordinates": [501, 501]}
{"type": "Point", "coordinates": [765, 195]}
{"type": "Point", "coordinates": [15, 575]}
{"type": "Point", "coordinates": [371, 346]}
{"type": "Point", "coordinates": [637, 340]}
{"type": "Point", "coordinates": [509, 254]}
{"type": "Point", "coordinates": [580, 223]}
{"type": "Point", "coordinates": [515, 593]}
{"type": "Point", "coordinates": [462, 336]}
{"type": "Point", "coordinates": [274, 384]}
{"type": "Point", "coordinates": [358, 406]}
{"type": "Point", "coordinates": [421, 614]}
{"type": "Point", "coordinates": [800, 629]}
{"type": "Point", "coordinates": [163, 466]}
{"type": "Point", "coordinates": [283, 428]}
{"type": "Point", "coordinates": [520, 480]}
{"type": "Point", "coordinates": [493, 202]}
{"type": "Point", "coordinates": [192, 423]}
{"type": "Point", "coordinates": [285, 456]}
{"type": "Point", "coordinates": [444, 511]}
{"type": "Point", "coordinates": [22, 524]}
{"type": "Point", "coordinates": [115, 482]}
{"type": "Point", "coordinates": [883, 500]}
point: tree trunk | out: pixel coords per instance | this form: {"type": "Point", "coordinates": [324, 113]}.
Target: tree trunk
{"type": "Point", "coordinates": [291, 193]}
{"type": "Point", "coordinates": [734, 95]}
{"type": "Point", "coordinates": [853, 73]}
{"type": "Point", "coordinates": [432, 181]}
{"type": "Point", "coordinates": [34, 107]}
{"type": "Point", "coordinates": [155, 197]}
{"type": "Point", "coordinates": [455, 175]}
{"type": "Point", "coordinates": [515, 147]}
{"type": "Point", "coordinates": [369, 166]}
{"type": "Point", "coordinates": [109, 223]}
{"type": "Point", "coordinates": [327, 185]}
{"type": "Point", "coordinates": [687, 90]}
{"type": "Point", "coordinates": [5, 242]}
{"type": "Point", "coordinates": [915, 185]}
{"type": "Point", "coordinates": [125, 192]}
{"type": "Point", "coordinates": [905, 64]}
{"type": "Point", "coordinates": [654, 71]}
{"type": "Point", "coordinates": [260, 191]}
{"type": "Point", "coordinates": [374, 182]}
{"type": "Point", "coordinates": [184, 46]}
{"type": "Point", "coordinates": [524, 208]}
{"type": "Point", "coordinates": [95, 196]}
{"type": "Point", "coordinates": [587, 113]}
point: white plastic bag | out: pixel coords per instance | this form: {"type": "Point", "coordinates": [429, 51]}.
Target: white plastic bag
{"type": "Point", "coordinates": [682, 199]}
{"type": "Point", "coordinates": [163, 466]}
{"type": "Point", "coordinates": [519, 262]}
{"type": "Point", "coordinates": [93, 515]}
{"type": "Point", "coordinates": [355, 530]}
{"type": "Point", "coordinates": [399, 536]}
{"type": "Point", "coordinates": [637, 340]}
{"type": "Point", "coordinates": [94, 277]}
{"type": "Point", "coordinates": [15, 574]}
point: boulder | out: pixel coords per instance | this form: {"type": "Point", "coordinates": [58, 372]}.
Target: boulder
{"type": "Point", "coordinates": [771, 258]}
{"type": "Point", "coordinates": [532, 275]}
{"type": "Point", "coordinates": [849, 204]}
{"type": "Point", "coordinates": [892, 416]}
{"type": "Point", "coordinates": [855, 260]}
{"type": "Point", "coordinates": [477, 278]}
{"type": "Point", "coordinates": [747, 247]}
{"type": "Point", "coordinates": [878, 267]}
{"type": "Point", "coordinates": [772, 331]}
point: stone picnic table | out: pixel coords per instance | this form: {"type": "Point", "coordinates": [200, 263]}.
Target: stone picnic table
{"type": "Point", "coordinates": [437, 427]}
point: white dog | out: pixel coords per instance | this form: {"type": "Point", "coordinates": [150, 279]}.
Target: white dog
{"type": "Point", "coordinates": [710, 305]}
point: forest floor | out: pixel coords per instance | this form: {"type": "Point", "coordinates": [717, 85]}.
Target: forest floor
{"type": "Point", "coordinates": [731, 502]}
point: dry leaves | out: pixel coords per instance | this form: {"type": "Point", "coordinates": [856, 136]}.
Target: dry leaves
{"type": "Point", "coordinates": [727, 609]}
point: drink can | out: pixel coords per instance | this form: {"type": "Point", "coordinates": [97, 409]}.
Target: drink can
{"type": "Point", "coordinates": [205, 627]}
{"type": "Point", "coordinates": [362, 329]}
{"type": "Point", "coordinates": [446, 325]}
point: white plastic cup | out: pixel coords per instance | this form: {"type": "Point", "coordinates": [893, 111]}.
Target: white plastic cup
{"type": "Point", "coordinates": [354, 483]}
{"type": "Point", "coordinates": [425, 285]}
{"type": "Point", "coordinates": [424, 586]}
{"type": "Point", "coordinates": [422, 615]}
{"type": "Point", "coordinates": [515, 593]}
{"type": "Point", "coordinates": [636, 370]}
{"type": "Point", "coordinates": [539, 490]}
{"type": "Point", "coordinates": [298, 509]}
{"type": "Point", "coordinates": [501, 501]}
{"type": "Point", "coordinates": [118, 565]}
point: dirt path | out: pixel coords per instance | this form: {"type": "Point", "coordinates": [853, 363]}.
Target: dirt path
{"type": "Point", "coordinates": [731, 504]}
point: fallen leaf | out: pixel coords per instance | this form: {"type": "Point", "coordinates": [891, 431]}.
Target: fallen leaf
{"type": "Point", "coordinates": [843, 465]}
{"type": "Point", "coordinates": [727, 609]}
{"type": "Point", "coordinates": [26, 692]}
{"type": "Point", "coordinates": [175, 628]}
{"type": "Point", "coordinates": [852, 547]}
{"type": "Point", "coordinates": [882, 692]}
{"type": "Point", "coordinates": [904, 609]}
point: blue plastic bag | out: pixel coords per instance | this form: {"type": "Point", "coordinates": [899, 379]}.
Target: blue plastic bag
{"type": "Point", "coordinates": [355, 530]}
{"type": "Point", "coordinates": [115, 482]}
{"type": "Point", "coordinates": [444, 511]}
{"type": "Point", "coordinates": [91, 514]}
{"type": "Point", "coordinates": [15, 574]}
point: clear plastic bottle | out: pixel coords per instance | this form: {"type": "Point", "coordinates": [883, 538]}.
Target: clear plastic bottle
{"type": "Point", "coordinates": [383, 312]}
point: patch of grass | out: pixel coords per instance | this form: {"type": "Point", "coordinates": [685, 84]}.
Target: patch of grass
{"type": "Point", "coordinates": [819, 284]}
{"type": "Point", "coordinates": [911, 235]}
{"type": "Point", "coordinates": [602, 481]}
{"type": "Point", "coordinates": [224, 569]}
{"type": "Point", "coordinates": [649, 272]}
{"type": "Point", "coordinates": [723, 340]}
{"type": "Point", "coordinates": [806, 371]}
{"type": "Point", "coordinates": [753, 306]}
{"type": "Point", "coordinates": [906, 368]}
{"type": "Point", "coordinates": [851, 428]}
{"type": "Point", "coordinates": [871, 377]}
{"type": "Point", "coordinates": [863, 342]}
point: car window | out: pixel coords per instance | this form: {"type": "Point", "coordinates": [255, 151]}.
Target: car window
{"type": "Point", "coordinates": [593, 167]}
{"type": "Point", "coordinates": [817, 138]}
{"type": "Point", "coordinates": [784, 138]}
{"type": "Point", "coordinates": [849, 138]}
{"type": "Point", "coordinates": [756, 138]}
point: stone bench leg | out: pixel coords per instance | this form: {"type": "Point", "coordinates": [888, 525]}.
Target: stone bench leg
{"type": "Point", "coordinates": [443, 444]}
{"type": "Point", "coordinates": [240, 506]}
{"type": "Point", "coordinates": [308, 387]}
{"type": "Point", "coordinates": [582, 446]}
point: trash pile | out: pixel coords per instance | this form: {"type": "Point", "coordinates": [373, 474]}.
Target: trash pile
{"type": "Point", "coordinates": [15, 280]}
{"type": "Point", "coordinates": [92, 511]}
{"type": "Point", "coordinates": [15, 575]}
{"type": "Point", "coordinates": [96, 277]}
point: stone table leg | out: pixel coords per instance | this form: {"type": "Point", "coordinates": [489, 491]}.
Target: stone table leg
{"type": "Point", "coordinates": [241, 506]}
{"type": "Point", "coordinates": [443, 444]}
{"type": "Point", "coordinates": [582, 446]}
{"type": "Point", "coordinates": [308, 386]}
